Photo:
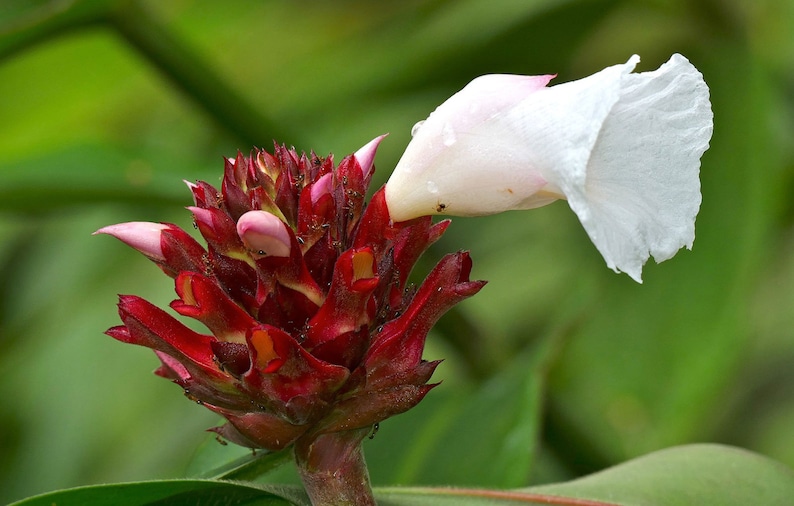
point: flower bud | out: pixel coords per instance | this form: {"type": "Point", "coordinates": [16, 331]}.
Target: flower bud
{"type": "Point", "coordinates": [301, 289]}
{"type": "Point", "coordinates": [623, 149]}
{"type": "Point", "coordinates": [264, 234]}
{"type": "Point", "coordinates": [141, 235]}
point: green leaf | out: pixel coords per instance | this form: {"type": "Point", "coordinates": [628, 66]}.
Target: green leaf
{"type": "Point", "coordinates": [498, 424]}
{"type": "Point", "coordinates": [447, 438]}
{"type": "Point", "coordinates": [682, 476]}
{"type": "Point", "coordinates": [687, 475]}
{"type": "Point", "coordinates": [231, 462]}
{"type": "Point", "coordinates": [193, 492]}
{"type": "Point", "coordinates": [96, 174]}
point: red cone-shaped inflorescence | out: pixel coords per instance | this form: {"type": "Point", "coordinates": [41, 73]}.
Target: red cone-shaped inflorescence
{"type": "Point", "coordinates": [302, 286]}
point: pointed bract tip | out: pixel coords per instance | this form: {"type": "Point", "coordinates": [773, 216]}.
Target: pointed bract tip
{"type": "Point", "coordinates": [365, 156]}
{"type": "Point", "coordinates": [201, 215]}
{"type": "Point", "coordinates": [322, 186]}
{"type": "Point", "coordinates": [144, 236]}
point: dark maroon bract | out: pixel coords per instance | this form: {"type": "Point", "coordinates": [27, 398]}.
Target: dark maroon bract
{"type": "Point", "coordinates": [315, 334]}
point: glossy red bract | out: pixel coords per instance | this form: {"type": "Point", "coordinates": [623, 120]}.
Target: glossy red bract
{"type": "Point", "coordinates": [328, 338]}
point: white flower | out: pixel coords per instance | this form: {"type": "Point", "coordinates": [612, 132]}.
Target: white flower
{"type": "Point", "coordinates": [623, 149]}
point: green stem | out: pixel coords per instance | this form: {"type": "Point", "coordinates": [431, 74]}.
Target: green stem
{"type": "Point", "coordinates": [158, 45]}
{"type": "Point", "coordinates": [194, 76]}
{"type": "Point", "coordinates": [333, 469]}
{"type": "Point", "coordinates": [41, 23]}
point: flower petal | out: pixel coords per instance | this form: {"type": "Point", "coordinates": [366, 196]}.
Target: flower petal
{"type": "Point", "coordinates": [625, 151]}
{"type": "Point", "coordinates": [461, 159]}
{"type": "Point", "coordinates": [642, 190]}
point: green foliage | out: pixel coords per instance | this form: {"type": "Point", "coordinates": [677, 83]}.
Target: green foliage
{"type": "Point", "coordinates": [559, 368]}
{"type": "Point", "coordinates": [194, 492]}
{"type": "Point", "coordinates": [681, 476]}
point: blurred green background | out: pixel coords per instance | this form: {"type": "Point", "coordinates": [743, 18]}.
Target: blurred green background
{"type": "Point", "coordinates": [558, 368]}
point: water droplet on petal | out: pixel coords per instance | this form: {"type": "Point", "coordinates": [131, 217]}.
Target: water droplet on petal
{"type": "Point", "coordinates": [416, 127]}
{"type": "Point", "coordinates": [448, 136]}
{"type": "Point", "coordinates": [432, 187]}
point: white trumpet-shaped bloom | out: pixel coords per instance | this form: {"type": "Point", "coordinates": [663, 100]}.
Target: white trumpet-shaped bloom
{"type": "Point", "coordinates": [622, 148]}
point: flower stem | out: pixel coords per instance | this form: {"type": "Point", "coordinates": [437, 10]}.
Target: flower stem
{"type": "Point", "coordinates": [159, 45]}
{"type": "Point", "coordinates": [333, 469]}
{"type": "Point", "coordinates": [191, 73]}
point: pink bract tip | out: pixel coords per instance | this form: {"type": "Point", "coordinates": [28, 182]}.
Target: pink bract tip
{"type": "Point", "coordinates": [322, 187]}
{"type": "Point", "coordinates": [144, 236]}
{"type": "Point", "coordinates": [264, 234]}
{"type": "Point", "coordinates": [366, 154]}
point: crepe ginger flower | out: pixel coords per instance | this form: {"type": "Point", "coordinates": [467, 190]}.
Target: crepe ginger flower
{"type": "Point", "coordinates": [313, 333]}
{"type": "Point", "coordinates": [622, 148]}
